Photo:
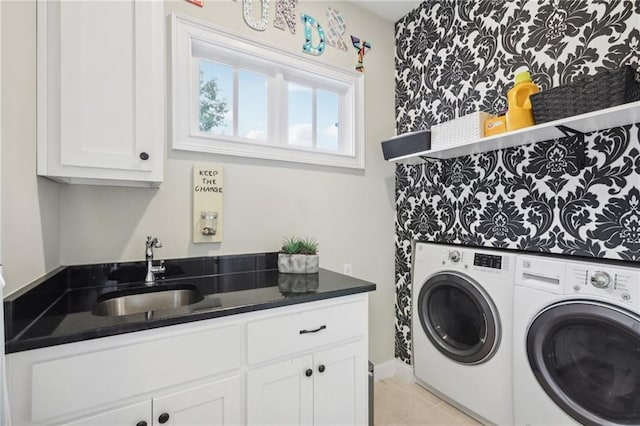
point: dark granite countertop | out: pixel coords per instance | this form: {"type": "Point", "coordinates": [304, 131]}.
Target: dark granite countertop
{"type": "Point", "coordinates": [58, 308]}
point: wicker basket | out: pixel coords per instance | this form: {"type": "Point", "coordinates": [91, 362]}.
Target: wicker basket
{"type": "Point", "coordinates": [603, 90]}
{"type": "Point", "coordinates": [459, 131]}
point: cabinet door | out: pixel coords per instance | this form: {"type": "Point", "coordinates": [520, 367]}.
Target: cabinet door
{"type": "Point", "coordinates": [131, 415]}
{"type": "Point", "coordinates": [212, 404]}
{"type": "Point", "coordinates": [100, 89]}
{"type": "Point", "coordinates": [281, 394]}
{"type": "Point", "coordinates": [340, 385]}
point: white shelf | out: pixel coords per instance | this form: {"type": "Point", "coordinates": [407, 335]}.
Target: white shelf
{"type": "Point", "coordinates": [602, 119]}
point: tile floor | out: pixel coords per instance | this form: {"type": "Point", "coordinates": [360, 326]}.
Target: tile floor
{"type": "Point", "coordinates": [399, 403]}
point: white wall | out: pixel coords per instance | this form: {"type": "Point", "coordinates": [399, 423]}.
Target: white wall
{"type": "Point", "coordinates": [351, 213]}
{"type": "Point", "coordinates": [30, 205]}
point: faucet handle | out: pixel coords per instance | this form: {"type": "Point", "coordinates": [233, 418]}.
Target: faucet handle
{"type": "Point", "coordinates": [153, 242]}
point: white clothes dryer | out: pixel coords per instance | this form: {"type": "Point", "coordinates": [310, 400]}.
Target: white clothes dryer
{"type": "Point", "coordinates": [576, 342]}
{"type": "Point", "coordinates": [462, 315]}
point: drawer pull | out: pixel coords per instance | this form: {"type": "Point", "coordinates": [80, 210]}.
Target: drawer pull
{"type": "Point", "coordinates": [164, 417]}
{"type": "Point", "coordinates": [322, 368]}
{"type": "Point", "coordinates": [322, 327]}
{"type": "Point", "coordinates": [141, 423]}
{"type": "Point", "coordinates": [308, 372]}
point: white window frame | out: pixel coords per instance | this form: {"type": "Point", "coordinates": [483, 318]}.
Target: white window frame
{"type": "Point", "coordinates": [189, 34]}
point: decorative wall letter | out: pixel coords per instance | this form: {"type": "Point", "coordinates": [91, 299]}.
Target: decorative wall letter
{"type": "Point", "coordinates": [362, 47]}
{"type": "Point", "coordinates": [197, 2]}
{"type": "Point", "coordinates": [285, 13]}
{"type": "Point", "coordinates": [308, 47]}
{"type": "Point", "coordinates": [248, 18]}
{"type": "Point", "coordinates": [337, 27]}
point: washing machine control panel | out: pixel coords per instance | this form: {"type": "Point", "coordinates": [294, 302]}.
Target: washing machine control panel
{"type": "Point", "coordinates": [487, 260]}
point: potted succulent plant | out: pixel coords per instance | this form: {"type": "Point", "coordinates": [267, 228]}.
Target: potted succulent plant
{"type": "Point", "coordinates": [298, 256]}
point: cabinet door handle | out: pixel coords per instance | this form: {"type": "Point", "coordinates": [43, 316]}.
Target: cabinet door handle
{"type": "Point", "coordinates": [144, 156]}
{"type": "Point", "coordinates": [163, 418]}
{"type": "Point", "coordinates": [322, 327]}
{"type": "Point", "coordinates": [141, 423]}
{"type": "Point", "coordinates": [321, 368]}
{"type": "Point", "coordinates": [309, 372]}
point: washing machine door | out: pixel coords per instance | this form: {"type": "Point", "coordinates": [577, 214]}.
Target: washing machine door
{"type": "Point", "coordinates": [459, 318]}
{"type": "Point", "coordinates": [586, 356]}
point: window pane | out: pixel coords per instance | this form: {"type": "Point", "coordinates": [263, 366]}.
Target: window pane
{"type": "Point", "coordinates": [252, 105]}
{"type": "Point", "coordinates": [328, 120]}
{"type": "Point", "coordinates": [216, 98]}
{"type": "Point", "coordinates": [300, 115]}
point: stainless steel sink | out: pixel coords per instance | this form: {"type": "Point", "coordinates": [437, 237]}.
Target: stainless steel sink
{"type": "Point", "coordinates": [147, 301]}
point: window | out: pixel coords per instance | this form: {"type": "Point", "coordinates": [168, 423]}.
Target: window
{"type": "Point", "coordinates": [221, 111]}
{"type": "Point", "coordinates": [236, 96]}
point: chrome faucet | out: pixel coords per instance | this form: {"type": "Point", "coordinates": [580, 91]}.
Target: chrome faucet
{"type": "Point", "coordinates": [152, 243]}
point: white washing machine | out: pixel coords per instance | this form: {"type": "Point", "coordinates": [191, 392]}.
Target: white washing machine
{"type": "Point", "coordinates": [462, 314]}
{"type": "Point", "coordinates": [576, 342]}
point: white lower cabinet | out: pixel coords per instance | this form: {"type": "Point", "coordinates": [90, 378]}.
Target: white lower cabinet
{"type": "Point", "coordinates": [309, 367]}
{"type": "Point", "coordinates": [304, 364]}
{"type": "Point", "coordinates": [328, 387]}
{"type": "Point", "coordinates": [281, 394]}
{"type": "Point", "coordinates": [340, 385]}
{"type": "Point", "coordinates": [136, 414]}
{"type": "Point", "coordinates": [211, 404]}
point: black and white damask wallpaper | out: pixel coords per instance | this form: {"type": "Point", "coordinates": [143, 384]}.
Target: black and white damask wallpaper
{"type": "Point", "coordinates": [578, 195]}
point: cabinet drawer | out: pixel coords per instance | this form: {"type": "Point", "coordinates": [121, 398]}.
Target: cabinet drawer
{"type": "Point", "coordinates": [91, 379]}
{"type": "Point", "coordinates": [301, 331]}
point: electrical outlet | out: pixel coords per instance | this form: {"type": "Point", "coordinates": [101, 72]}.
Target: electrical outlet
{"type": "Point", "coordinates": [347, 269]}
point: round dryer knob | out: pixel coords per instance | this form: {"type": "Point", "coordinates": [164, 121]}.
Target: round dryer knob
{"type": "Point", "coordinates": [454, 256]}
{"type": "Point", "coordinates": [600, 279]}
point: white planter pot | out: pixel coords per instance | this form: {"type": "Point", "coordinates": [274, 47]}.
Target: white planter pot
{"type": "Point", "coordinates": [298, 263]}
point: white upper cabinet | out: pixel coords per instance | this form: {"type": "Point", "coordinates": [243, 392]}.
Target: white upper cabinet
{"type": "Point", "coordinates": [101, 92]}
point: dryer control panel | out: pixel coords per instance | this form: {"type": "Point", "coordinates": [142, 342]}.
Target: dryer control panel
{"type": "Point", "coordinates": [591, 279]}
{"type": "Point", "coordinates": [620, 284]}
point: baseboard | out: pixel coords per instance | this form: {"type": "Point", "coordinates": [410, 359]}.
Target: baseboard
{"type": "Point", "coordinates": [393, 368]}
{"type": "Point", "coordinates": [384, 370]}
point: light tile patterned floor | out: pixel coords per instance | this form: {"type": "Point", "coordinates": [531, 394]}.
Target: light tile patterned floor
{"type": "Point", "coordinates": [399, 403]}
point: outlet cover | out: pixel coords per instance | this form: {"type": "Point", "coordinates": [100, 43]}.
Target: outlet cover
{"type": "Point", "coordinates": [347, 269]}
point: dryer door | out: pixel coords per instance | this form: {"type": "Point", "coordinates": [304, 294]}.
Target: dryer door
{"type": "Point", "coordinates": [586, 356]}
{"type": "Point", "coordinates": [459, 318]}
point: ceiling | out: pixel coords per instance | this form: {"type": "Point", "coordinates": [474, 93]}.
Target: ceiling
{"type": "Point", "coordinates": [391, 10]}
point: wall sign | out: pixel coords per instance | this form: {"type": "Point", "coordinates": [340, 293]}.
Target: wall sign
{"type": "Point", "coordinates": [362, 47]}
{"type": "Point", "coordinates": [285, 15]}
{"type": "Point", "coordinates": [311, 24]}
{"type": "Point", "coordinates": [247, 13]}
{"type": "Point", "coordinates": [207, 187]}
{"type": "Point", "coordinates": [337, 28]}
{"type": "Point", "coordinates": [285, 11]}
